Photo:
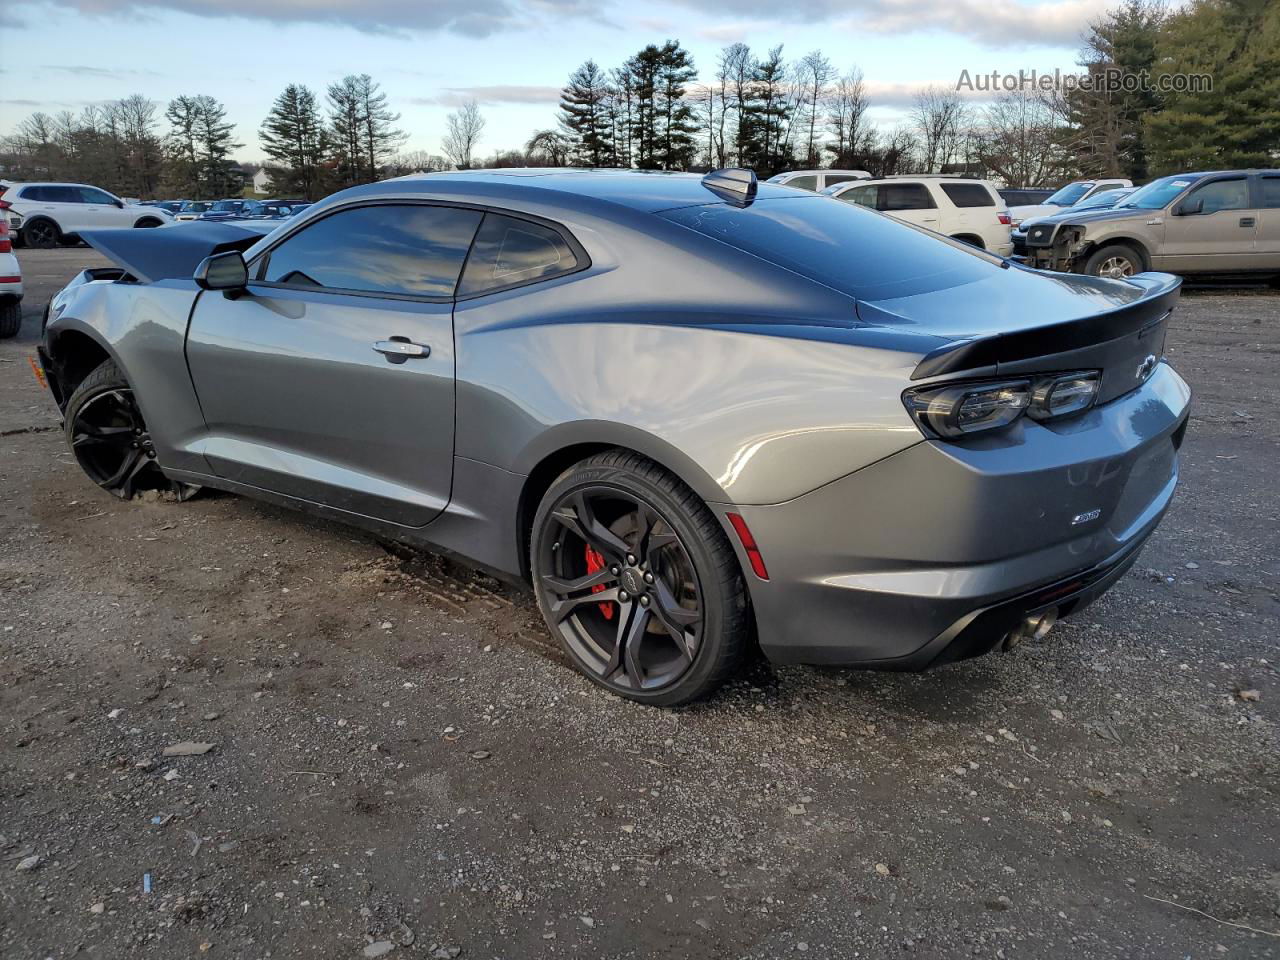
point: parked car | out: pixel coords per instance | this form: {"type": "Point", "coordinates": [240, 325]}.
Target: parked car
{"type": "Point", "coordinates": [225, 209]}
{"type": "Point", "coordinates": [272, 209]}
{"type": "Point", "coordinates": [173, 206]}
{"type": "Point", "coordinates": [1099, 201]}
{"type": "Point", "coordinates": [1024, 196]}
{"type": "Point", "coordinates": [191, 209]}
{"type": "Point", "coordinates": [967, 210]}
{"type": "Point", "coordinates": [678, 407]}
{"type": "Point", "coordinates": [817, 180]}
{"type": "Point", "coordinates": [54, 213]}
{"type": "Point", "coordinates": [10, 285]}
{"type": "Point", "coordinates": [1223, 223]}
{"type": "Point", "coordinates": [1067, 196]}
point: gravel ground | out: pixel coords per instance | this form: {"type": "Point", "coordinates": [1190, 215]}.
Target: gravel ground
{"type": "Point", "coordinates": [402, 760]}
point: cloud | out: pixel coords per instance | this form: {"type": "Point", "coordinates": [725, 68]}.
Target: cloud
{"type": "Point", "coordinates": [488, 96]}
{"type": "Point", "coordinates": [724, 33]}
{"type": "Point", "coordinates": [471, 18]}
{"type": "Point", "coordinates": [104, 73]}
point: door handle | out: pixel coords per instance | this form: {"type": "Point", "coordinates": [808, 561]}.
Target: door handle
{"type": "Point", "coordinates": [1247, 222]}
{"type": "Point", "coordinates": [400, 349]}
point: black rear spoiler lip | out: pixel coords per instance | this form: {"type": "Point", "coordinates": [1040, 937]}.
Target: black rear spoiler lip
{"type": "Point", "coordinates": [984, 354]}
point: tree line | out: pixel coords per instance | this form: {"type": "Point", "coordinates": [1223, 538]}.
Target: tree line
{"type": "Point", "coordinates": [758, 109]}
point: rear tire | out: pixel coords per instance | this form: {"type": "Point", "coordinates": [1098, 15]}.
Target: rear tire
{"type": "Point", "coordinates": [109, 438]}
{"type": "Point", "coordinates": [635, 576]}
{"type": "Point", "coordinates": [1114, 262]}
{"type": "Point", "coordinates": [147, 222]}
{"type": "Point", "coordinates": [10, 318]}
{"type": "Point", "coordinates": [41, 234]}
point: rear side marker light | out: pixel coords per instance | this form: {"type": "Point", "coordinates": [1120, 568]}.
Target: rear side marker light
{"type": "Point", "coordinates": [749, 545]}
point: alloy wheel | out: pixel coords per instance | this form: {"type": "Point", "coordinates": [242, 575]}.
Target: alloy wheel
{"type": "Point", "coordinates": [41, 234]}
{"type": "Point", "coordinates": [1116, 268]}
{"type": "Point", "coordinates": [621, 588]}
{"type": "Point", "coordinates": [111, 443]}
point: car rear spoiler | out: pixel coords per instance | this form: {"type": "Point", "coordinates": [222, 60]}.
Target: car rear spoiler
{"type": "Point", "coordinates": [172, 252]}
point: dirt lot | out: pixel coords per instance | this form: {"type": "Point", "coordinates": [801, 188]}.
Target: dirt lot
{"type": "Point", "coordinates": [403, 761]}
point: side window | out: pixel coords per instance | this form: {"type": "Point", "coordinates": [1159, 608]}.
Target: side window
{"type": "Point", "coordinates": [969, 194]}
{"type": "Point", "coordinates": [94, 195]}
{"type": "Point", "coordinates": [401, 249]}
{"type": "Point", "coordinates": [905, 196]}
{"type": "Point", "coordinates": [807, 182]}
{"type": "Point", "coordinates": [62, 195]}
{"type": "Point", "coordinates": [508, 251]}
{"type": "Point", "coordinates": [1222, 195]}
{"type": "Point", "coordinates": [1270, 188]}
{"type": "Point", "coordinates": [833, 178]}
{"type": "Point", "coordinates": [862, 196]}
{"type": "Point", "coordinates": [35, 194]}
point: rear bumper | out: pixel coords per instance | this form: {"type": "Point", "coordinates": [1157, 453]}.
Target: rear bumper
{"type": "Point", "coordinates": [936, 552]}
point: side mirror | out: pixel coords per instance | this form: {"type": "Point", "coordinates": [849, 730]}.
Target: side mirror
{"type": "Point", "coordinates": [120, 204]}
{"type": "Point", "coordinates": [1189, 208]}
{"type": "Point", "coordinates": [223, 271]}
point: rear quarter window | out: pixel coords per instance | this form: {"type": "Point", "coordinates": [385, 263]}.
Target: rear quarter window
{"type": "Point", "coordinates": [841, 245]}
{"type": "Point", "coordinates": [968, 194]}
{"type": "Point", "coordinates": [509, 252]}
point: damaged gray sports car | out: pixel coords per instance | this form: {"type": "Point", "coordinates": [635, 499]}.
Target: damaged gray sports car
{"type": "Point", "coordinates": [692, 413]}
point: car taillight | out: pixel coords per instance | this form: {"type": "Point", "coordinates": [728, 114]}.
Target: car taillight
{"type": "Point", "coordinates": [6, 245]}
{"type": "Point", "coordinates": [1004, 218]}
{"type": "Point", "coordinates": [953, 411]}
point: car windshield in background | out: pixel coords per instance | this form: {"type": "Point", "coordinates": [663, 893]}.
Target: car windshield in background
{"type": "Point", "coordinates": [196, 206]}
{"type": "Point", "coordinates": [846, 247]}
{"type": "Point", "coordinates": [1069, 194]}
{"type": "Point", "coordinates": [1107, 198]}
{"type": "Point", "coordinates": [227, 206]}
{"type": "Point", "coordinates": [1158, 193]}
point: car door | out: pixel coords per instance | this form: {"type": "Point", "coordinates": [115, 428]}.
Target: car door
{"type": "Point", "coordinates": [61, 204]}
{"type": "Point", "coordinates": [332, 378]}
{"type": "Point", "coordinates": [101, 209]}
{"type": "Point", "coordinates": [909, 201]}
{"type": "Point", "coordinates": [1212, 229]}
{"type": "Point", "coordinates": [1267, 236]}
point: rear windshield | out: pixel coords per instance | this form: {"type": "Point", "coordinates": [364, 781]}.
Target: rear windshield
{"type": "Point", "coordinates": [851, 249]}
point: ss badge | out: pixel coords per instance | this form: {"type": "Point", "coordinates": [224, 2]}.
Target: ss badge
{"type": "Point", "coordinates": [1085, 517]}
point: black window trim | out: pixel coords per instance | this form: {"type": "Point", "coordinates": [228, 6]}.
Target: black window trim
{"type": "Point", "coordinates": [258, 266]}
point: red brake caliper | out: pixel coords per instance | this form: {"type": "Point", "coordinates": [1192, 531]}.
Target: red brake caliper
{"type": "Point", "coordinates": [595, 563]}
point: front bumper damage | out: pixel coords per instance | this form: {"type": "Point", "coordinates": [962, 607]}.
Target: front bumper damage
{"type": "Point", "coordinates": [941, 551]}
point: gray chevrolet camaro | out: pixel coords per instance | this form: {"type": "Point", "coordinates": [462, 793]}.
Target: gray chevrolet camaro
{"type": "Point", "coordinates": [694, 413]}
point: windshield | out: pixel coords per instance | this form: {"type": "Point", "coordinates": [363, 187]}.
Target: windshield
{"type": "Point", "coordinates": [196, 206]}
{"type": "Point", "coordinates": [1158, 193]}
{"type": "Point", "coordinates": [1108, 198]}
{"type": "Point", "coordinates": [1069, 194]}
{"type": "Point", "coordinates": [227, 206]}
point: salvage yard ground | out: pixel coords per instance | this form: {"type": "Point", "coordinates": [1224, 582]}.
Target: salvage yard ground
{"type": "Point", "coordinates": [402, 762]}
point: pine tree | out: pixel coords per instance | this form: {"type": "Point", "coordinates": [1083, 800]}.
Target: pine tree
{"type": "Point", "coordinates": [346, 127]}
{"type": "Point", "coordinates": [294, 138]}
{"type": "Point", "coordinates": [213, 132]}
{"type": "Point", "coordinates": [1236, 123]}
{"type": "Point", "coordinates": [675, 145]}
{"type": "Point", "coordinates": [584, 116]}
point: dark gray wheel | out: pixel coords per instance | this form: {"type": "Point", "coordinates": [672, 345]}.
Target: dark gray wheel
{"type": "Point", "coordinates": [637, 578]}
{"type": "Point", "coordinates": [1114, 261]}
{"type": "Point", "coordinates": [148, 222]}
{"type": "Point", "coordinates": [41, 233]}
{"type": "Point", "coordinates": [110, 439]}
{"type": "Point", "coordinates": [10, 318]}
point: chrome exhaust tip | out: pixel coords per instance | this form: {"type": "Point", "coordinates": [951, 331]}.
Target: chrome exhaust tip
{"type": "Point", "coordinates": [1033, 627]}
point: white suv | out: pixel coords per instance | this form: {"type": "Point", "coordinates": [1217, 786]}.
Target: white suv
{"type": "Point", "coordinates": [963, 209]}
{"type": "Point", "coordinates": [52, 212]}
{"type": "Point", "coordinates": [817, 180]}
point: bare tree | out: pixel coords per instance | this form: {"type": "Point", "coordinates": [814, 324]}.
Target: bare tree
{"type": "Point", "coordinates": [940, 119]}
{"type": "Point", "coordinates": [465, 125]}
{"type": "Point", "coordinates": [815, 74]}
{"type": "Point", "coordinates": [847, 117]}
{"type": "Point", "coordinates": [550, 148]}
{"type": "Point", "coordinates": [1019, 142]}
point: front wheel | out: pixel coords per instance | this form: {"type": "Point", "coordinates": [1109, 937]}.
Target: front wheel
{"type": "Point", "coordinates": [1115, 262]}
{"type": "Point", "coordinates": [148, 222]}
{"type": "Point", "coordinates": [110, 440]}
{"type": "Point", "coordinates": [635, 576]}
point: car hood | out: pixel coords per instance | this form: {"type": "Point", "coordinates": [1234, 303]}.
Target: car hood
{"type": "Point", "coordinates": [171, 252]}
{"type": "Point", "coordinates": [1103, 216]}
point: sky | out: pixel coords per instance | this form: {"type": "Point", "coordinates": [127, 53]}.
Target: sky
{"type": "Point", "coordinates": [512, 56]}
